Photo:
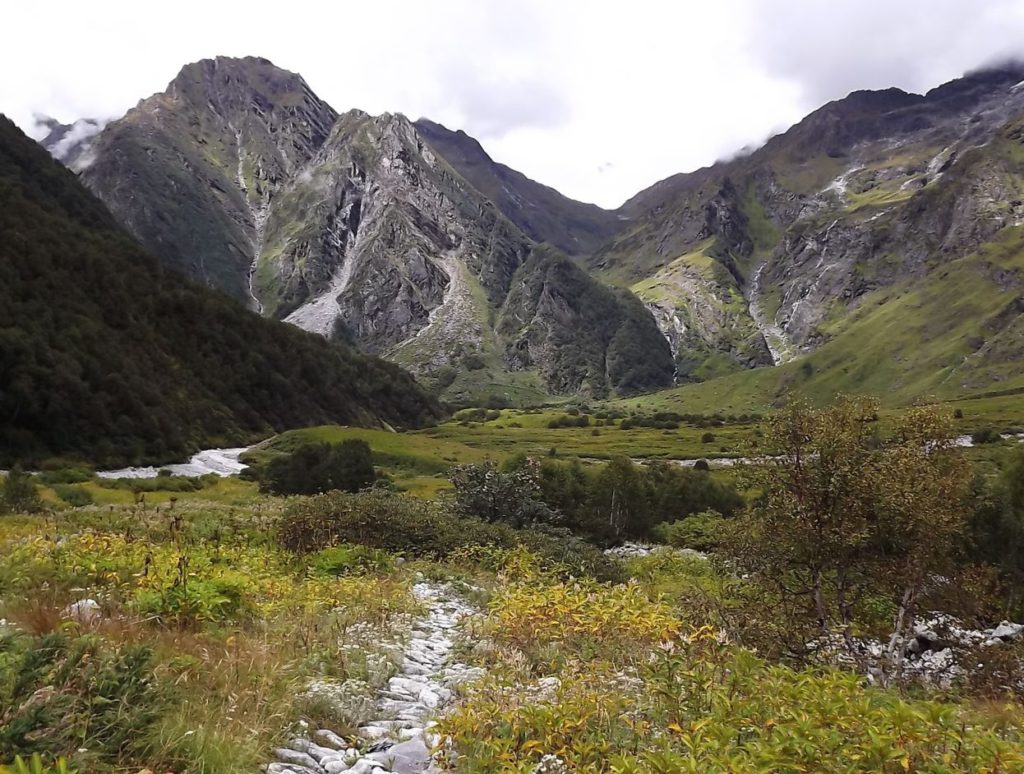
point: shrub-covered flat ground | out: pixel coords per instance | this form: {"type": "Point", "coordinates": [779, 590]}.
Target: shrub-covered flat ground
{"type": "Point", "coordinates": [208, 634]}
{"type": "Point", "coordinates": [190, 625]}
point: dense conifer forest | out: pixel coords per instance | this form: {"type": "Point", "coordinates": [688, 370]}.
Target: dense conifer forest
{"type": "Point", "coordinates": [106, 354]}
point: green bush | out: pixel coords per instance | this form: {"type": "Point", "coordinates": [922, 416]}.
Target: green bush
{"type": "Point", "coordinates": [570, 420]}
{"type": "Point", "coordinates": [624, 500]}
{"type": "Point", "coordinates": [701, 532]}
{"type": "Point", "coordinates": [512, 496]}
{"type": "Point", "coordinates": [477, 415]}
{"type": "Point", "coordinates": [707, 438]}
{"type": "Point", "coordinates": [191, 600]}
{"type": "Point", "coordinates": [346, 559]}
{"type": "Point", "coordinates": [67, 475]}
{"type": "Point", "coordinates": [74, 496]}
{"type": "Point", "coordinates": [320, 467]}
{"type": "Point", "coordinates": [162, 482]}
{"type": "Point", "coordinates": [19, 493]}
{"type": "Point", "coordinates": [423, 529]}
{"type": "Point", "coordinates": [985, 435]}
{"type": "Point", "coordinates": [35, 765]}
{"type": "Point", "coordinates": [59, 694]}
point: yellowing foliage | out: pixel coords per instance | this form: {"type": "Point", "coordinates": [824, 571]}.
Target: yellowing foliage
{"type": "Point", "coordinates": [579, 616]}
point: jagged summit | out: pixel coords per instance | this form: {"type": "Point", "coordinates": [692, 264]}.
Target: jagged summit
{"type": "Point", "coordinates": [409, 239]}
{"type": "Point", "coordinates": [373, 229]}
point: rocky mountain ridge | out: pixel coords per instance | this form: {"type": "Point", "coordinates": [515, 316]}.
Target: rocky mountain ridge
{"type": "Point", "coordinates": [863, 196]}
{"type": "Point", "coordinates": [408, 239]}
{"type": "Point", "coordinates": [357, 227]}
{"type": "Point", "coordinates": [106, 354]}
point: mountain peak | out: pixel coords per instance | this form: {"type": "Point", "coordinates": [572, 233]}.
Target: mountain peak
{"type": "Point", "coordinates": [227, 84]}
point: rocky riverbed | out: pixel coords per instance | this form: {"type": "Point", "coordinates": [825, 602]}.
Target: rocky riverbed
{"type": "Point", "coordinates": [397, 737]}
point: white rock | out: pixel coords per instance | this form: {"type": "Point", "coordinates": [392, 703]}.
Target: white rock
{"type": "Point", "coordinates": [296, 758]}
{"type": "Point", "coordinates": [1007, 631]}
{"type": "Point", "coordinates": [328, 738]}
{"type": "Point", "coordinates": [83, 611]}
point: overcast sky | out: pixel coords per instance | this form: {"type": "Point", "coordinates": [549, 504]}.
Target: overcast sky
{"type": "Point", "coordinates": [598, 99]}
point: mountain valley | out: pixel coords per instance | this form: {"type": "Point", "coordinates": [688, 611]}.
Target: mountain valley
{"type": "Point", "coordinates": [408, 240]}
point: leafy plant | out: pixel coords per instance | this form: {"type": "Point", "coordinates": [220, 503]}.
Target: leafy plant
{"type": "Point", "coordinates": [701, 532]}
{"type": "Point", "coordinates": [59, 693]}
{"type": "Point", "coordinates": [35, 765]}
{"type": "Point", "coordinates": [344, 559]}
{"type": "Point", "coordinates": [320, 467]}
{"type": "Point", "coordinates": [19, 493]}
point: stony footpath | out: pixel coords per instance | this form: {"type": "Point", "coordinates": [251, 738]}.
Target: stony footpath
{"type": "Point", "coordinates": [397, 738]}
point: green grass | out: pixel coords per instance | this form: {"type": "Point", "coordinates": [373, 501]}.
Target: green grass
{"type": "Point", "coordinates": [500, 437]}
{"type": "Point", "coordinates": [880, 196]}
{"type": "Point", "coordinates": [916, 340]}
{"type": "Point", "coordinates": [416, 462]}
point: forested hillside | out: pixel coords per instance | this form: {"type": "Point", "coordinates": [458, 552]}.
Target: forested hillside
{"type": "Point", "coordinates": [107, 354]}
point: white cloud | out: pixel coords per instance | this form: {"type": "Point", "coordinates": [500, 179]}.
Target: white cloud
{"type": "Point", "coordinates": [596, 98]}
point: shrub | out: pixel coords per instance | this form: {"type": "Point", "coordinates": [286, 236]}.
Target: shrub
{"type": "Point", "coordinates": [320, 467]}
{"type": "Point", "coordinates": [477, 415]}
{"type": "Point", "coordinates": [417, 528]}
{"type": "Point", "coordinates": [698, 705]}
{"type": "Point", "coordinates": [66, 475]}
{"type": "Point", "coordinates": [512, 496]}
{"type": "Point", "coordinates": [585, 618]}
{"type": "Point", "coordinates": [985, 435]}
{"type": "Point", "coordinates": [191, 601]}
{"type": "Point", "coordinates": [19, 493]}
{"type": "Point", "coordinates": [707, 438]}
{"type": "Point", "coordinates": [162, 482]}
{"type": "Point", "coordinates": [74, 496]}
{"type": "Point", "coordinates": [570, 420]}
{"type": "Point", "coordinates": [59, 694]}
{"type": "Point", "coordinates": [345, 559]}
{"type": "Point", "coordinates": [701, 532]}
{"type": "Point", "coordinates": [473, 362]}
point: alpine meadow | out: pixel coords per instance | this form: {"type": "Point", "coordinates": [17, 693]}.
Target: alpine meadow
{"type": "Point", "coordinates": [332, 444]}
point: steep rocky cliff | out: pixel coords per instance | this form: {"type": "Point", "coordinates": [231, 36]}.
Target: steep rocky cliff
{"type": "Point", "coordinates": [358, 227]}
{"type": "Point", "coordinates": [410, 241]}
{"type": "Point", "coordinates": [107, 354]}
{"type": "Point", "coordinates": [864, 195]}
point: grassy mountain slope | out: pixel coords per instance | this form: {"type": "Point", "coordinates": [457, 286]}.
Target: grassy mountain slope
{"type": "Point", "coordinates": [957, 331]}
{"type": "Point", "coordinates": [854, 206]}
{"type": "Point", "coordinates": [106, 353]}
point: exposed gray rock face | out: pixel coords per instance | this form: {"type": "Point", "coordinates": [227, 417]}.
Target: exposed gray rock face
{"type": "Point", "coordinates": [355, 227]}
{"type": "Point", "coordinates": [191, 171]}
{"type": "Point", "coordinates": [542, 213]}
{"type": "Point", "coordinates": [371, 231]}
{"type": "Point", "coordinates": [867, 192]}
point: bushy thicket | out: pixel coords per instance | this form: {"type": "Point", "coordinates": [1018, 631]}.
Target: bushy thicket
{"type": "Point", "coordinates": [700, 532]}
{"type": "Point", "coordinates": [622, 500]}
{"type": "Point", "coordinates": [107, 354]}
{"type": "Point", "coordinates": [418, 528]}
{"type": "Point", "coordinates": [313, 468]}
{"type": "Point", "coordinates": [18, 493]}
{"type": "Point", "coordinates": [996, 531]}
{"type": "Point", "coordinates": [61, 693]}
